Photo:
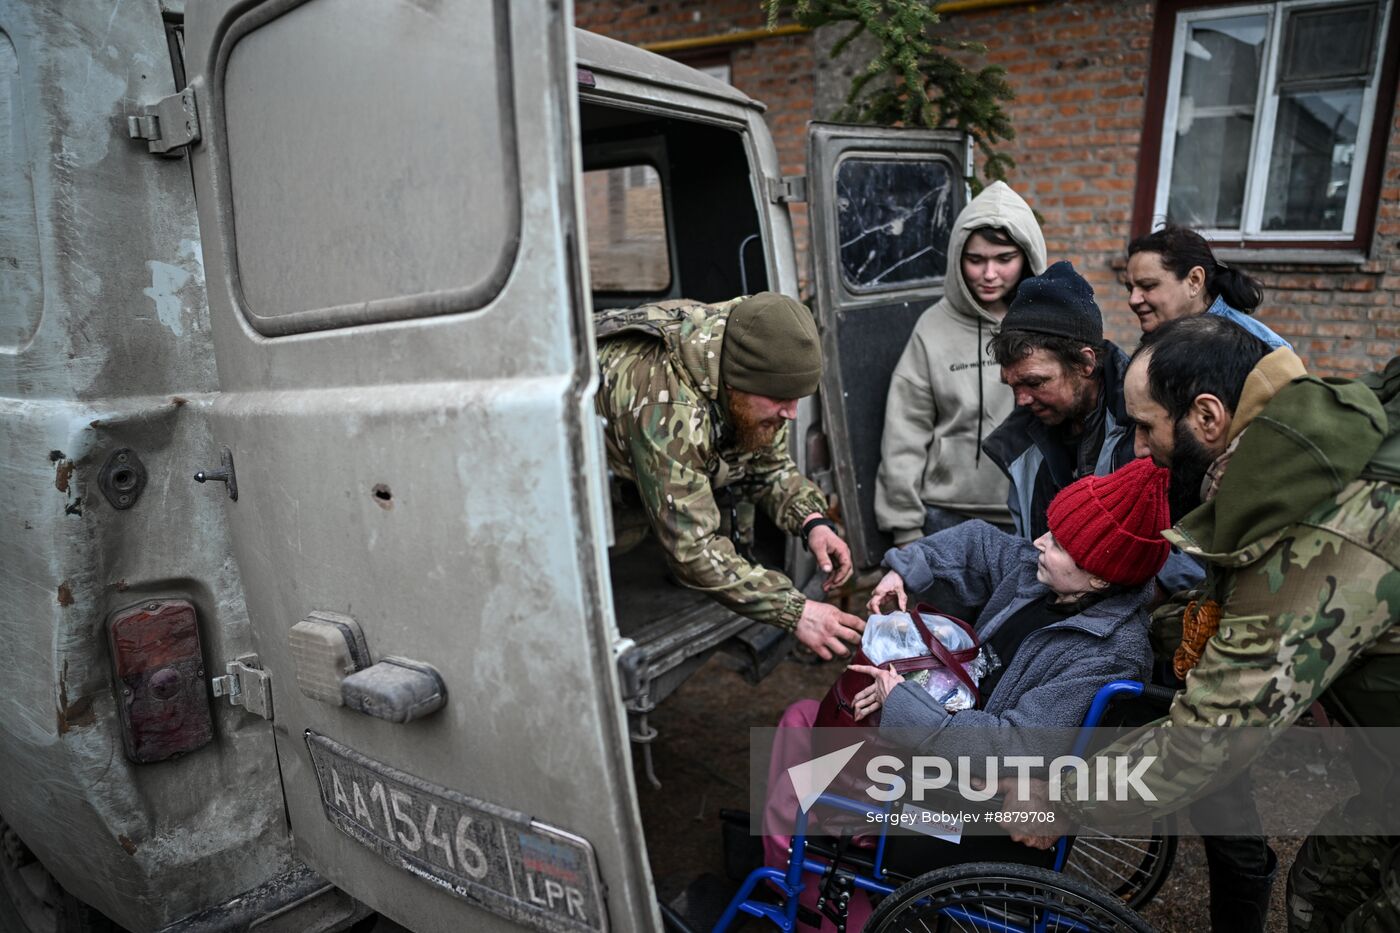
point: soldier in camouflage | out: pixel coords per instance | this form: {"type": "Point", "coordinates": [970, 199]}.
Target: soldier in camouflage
{"type": "Point", "coordinates": [696, 399]}
{"type": "Point", "coordinates": [1300, 529]}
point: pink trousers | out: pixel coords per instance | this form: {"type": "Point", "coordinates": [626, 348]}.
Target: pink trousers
{"type": "Point", "coordinates": [792, 745]}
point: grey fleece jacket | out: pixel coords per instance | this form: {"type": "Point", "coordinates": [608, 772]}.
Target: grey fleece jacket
{"type": "Point", "coordinates": [1056, 670]}
{"type": "Point", "coordinates": [946, 392]}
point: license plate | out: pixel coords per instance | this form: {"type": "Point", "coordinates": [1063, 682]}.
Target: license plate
{"type": "Point", "coordinates": [495, 858]}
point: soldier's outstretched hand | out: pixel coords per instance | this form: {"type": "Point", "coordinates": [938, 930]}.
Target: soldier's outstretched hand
{"type": "Point", "coordinates": [833, 557]}
{"type": "Point", "coordinates": [827, 630]}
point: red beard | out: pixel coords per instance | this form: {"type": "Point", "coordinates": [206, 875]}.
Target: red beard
{"type": "Point", "coordinates": [752, 431]}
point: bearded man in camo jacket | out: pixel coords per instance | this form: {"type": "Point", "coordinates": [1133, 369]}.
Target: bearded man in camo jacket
{"type": "Point", "coordinates": [1297, 515]}
{"type": "Point", "coordinates": [696, 399]}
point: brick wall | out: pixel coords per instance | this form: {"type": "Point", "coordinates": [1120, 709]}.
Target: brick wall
{"type": "Point", "coordinates": [1079, 69]}
{"type": "Point", "coordinates": [776, 70]}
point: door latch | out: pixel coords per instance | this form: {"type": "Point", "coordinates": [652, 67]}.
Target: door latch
{"type": "Point", "coordinates": [224, 474]}
{"type": "Point", "coordinates": [168, 124]}
{"type": "Point", "coordinates": [246, 685]}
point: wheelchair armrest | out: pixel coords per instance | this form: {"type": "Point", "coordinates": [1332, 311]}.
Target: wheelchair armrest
{"type": "Point", "coordinates": [1160, 696]}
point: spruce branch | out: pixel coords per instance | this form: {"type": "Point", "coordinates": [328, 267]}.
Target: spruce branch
{"type": "Point", "coordinates": [914, 78]}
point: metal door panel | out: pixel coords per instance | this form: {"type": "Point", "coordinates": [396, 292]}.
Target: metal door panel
{"type": "Point", "coordinates": [414, 445]}
{"type": "Point", "coordinates": [876, 272]}
{"type": "Point", "coordinates": [104, 346]}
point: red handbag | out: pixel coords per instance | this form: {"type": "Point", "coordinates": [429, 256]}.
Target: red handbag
{"type": "Point", "coordinates": [838, 706]}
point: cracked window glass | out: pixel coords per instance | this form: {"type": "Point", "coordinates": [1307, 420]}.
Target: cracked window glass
{"type": "Point", "coordinates": [894, 217]}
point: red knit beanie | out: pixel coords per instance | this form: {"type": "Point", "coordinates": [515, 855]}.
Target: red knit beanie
{"type": "Point", "coordinates": [1112, 525]}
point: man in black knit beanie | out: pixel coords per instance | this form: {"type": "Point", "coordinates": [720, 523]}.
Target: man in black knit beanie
{"type": "Point", "coordinates": [1070, 419]}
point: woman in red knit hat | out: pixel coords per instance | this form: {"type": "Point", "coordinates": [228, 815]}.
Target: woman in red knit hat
{"type": "Point", "coordinates": [1060, 618]}
{"type": "Point", "coordinates": [1063, 615]}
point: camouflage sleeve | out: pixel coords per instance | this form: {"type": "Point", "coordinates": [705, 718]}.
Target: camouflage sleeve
{"type": "Point", "coordinates": [784, 494]}
{"type": "Point", "coordinates": [666, 442]}
{"type": "Point", "coordinates": [1291, 622]}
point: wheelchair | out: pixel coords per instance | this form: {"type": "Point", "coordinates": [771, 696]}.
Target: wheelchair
{"type": "Point", "coordinates": [1094, 882]}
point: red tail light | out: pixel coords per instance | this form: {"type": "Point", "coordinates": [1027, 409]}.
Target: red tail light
{"type": "Point", "coordinates": [163, 702]}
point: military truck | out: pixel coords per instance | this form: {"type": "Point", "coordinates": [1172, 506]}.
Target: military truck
{"type": "Point", "coordinates": [337, 261]}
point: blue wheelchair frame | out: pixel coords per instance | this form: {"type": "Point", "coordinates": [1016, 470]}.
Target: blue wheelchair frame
{"type": "Point", "coordinates": [790, 881]}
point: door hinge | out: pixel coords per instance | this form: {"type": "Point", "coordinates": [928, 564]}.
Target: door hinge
{"type": "Point", "coordinates": [168, 124]}
{"type": "Point", "coordinates": [788, 189]}
{"type": "Point", "coordinates": [246, 685]}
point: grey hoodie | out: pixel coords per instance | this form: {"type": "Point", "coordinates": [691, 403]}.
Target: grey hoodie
{"type": "Point", "coordinates": [946, 392]}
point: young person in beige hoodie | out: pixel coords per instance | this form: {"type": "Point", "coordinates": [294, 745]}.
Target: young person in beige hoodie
{"type": "Point", "coordinates": [946, 393]}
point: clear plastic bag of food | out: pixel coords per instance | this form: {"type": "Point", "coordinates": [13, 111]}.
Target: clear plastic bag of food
{"type": "Point", "coordinates": [891, 637]}
{"type": "Point", "coordinates": [894, 636]}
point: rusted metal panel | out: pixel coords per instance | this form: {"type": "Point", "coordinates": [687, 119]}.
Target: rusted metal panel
{"type": "Point", "coordinates": [480, 424]}
{"type": "Point", "coordinates": [164, 705]}
{"type": "Point", "coordinates": [107, 347]}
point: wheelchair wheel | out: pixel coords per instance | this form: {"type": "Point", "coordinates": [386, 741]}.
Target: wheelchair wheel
{"type": "Point", "coordinates": [1001, 896]}
{"type": "Point", "coordinates": [1130, 867]}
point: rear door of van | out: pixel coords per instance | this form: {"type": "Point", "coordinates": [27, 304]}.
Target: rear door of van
{"type": "Point", "coordinates": [386, 195]}
{"type": "Point", "coordinates": [883, 202]}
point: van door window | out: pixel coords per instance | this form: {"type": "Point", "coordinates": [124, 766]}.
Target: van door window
{"type": "Point", "coordinates": [353, 224]}
{"type": "Point", "coordinates": [626, 216]}
{"type": "Point", "coordinates": [677, 192]}
{"type": "Point", "coordinates": [894, 217]}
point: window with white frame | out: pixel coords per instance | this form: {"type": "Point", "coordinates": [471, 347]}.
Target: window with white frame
{"type": "Point", "coordinates": [1268, 118]}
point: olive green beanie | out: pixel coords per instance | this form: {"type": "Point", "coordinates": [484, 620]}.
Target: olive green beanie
{"type": "Point", "coordinates": [771, 348]}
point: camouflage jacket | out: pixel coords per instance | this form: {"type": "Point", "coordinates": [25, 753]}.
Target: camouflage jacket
{"type": "Point", "coordinates": [1303, 556]}
{"type": "Point", "coordinates": [667, 432]}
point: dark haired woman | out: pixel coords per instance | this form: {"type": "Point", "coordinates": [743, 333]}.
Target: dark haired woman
{"type": "Point", "coordinates": [1172, 273]}
{"type": "Point", "coordinates": [945, 389]}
